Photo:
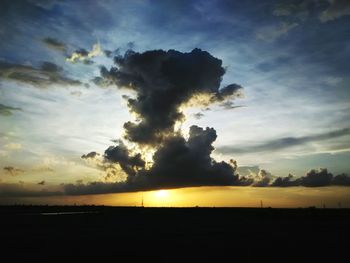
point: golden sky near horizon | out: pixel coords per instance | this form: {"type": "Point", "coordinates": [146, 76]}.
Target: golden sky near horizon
{"type": "Point", "coordinates": [331, 197]}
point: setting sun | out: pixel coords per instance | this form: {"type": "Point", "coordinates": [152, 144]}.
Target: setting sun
{"type": "Point", "coordinates": [161, 194]}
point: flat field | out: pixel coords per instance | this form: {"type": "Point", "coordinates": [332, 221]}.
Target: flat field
{"type": "Point", "coordinates": [174, 234]}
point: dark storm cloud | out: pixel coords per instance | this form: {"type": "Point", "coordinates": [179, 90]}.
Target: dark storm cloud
{"type": "Point", "coordinates": [283, 143]}
{"type": "Point", "coordinates": [313, 178]}
{"type": "Point", "coordinates": [47, 74]}
{"type": "Point", "coordinates": [54, 44]}
{"type": "Point", "coordinates": [13, 171]}
{"type": "Point", "coordinates": [7, 110]}
{"type": "Point", "coordinates": [177, 163]}
{"type": "Point", "coordinates": [120, 154]}
{"type": "Point", "coordinates": [181, 163]}
{"type": "Point", "coordinates": [163, 81]}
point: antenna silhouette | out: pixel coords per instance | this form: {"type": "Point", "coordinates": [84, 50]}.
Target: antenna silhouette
{"type": "Point", "coordinates": [142, 201]}
{"type": "Point", "coordinates": [261, 204]}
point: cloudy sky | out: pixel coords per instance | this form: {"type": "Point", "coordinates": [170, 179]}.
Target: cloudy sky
{"type": "Point", "coordinates": [101, 97]}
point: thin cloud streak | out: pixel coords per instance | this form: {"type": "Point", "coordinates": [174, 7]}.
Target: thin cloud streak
{"type": "Point", "coordinates": [283, 143]}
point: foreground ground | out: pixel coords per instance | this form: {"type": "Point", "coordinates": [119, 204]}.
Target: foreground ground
{"type": "Point", "coordinates": [174, 234]}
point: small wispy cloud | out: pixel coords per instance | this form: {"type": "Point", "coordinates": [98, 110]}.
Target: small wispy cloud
{"type": "Point", "coordinates": [7, 110]}
{"type": "Point", "coordinates": [273, 32]}
{"type": "Point", "coordinates": [13, 146]}
{"type": "Point", "coordinates": [41, 182]}
{"type": "Point", "coordinates": [283, 143]}
{"type": "Point", "coordinates": [47, 74]}
{"type": "Point", "coordinates": [13, 171]}
{"type": "Point", "coordinates": [325, 10]}
{"type": "Point", "coordinates": [198, 115]}
{"type": "Point", "coordinates": [82, 55]}
{"type": "Point", "coordinates": [54, 44]}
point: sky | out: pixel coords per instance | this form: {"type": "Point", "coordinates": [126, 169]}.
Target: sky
{"type": "Point", "coordinates": [225, 102]}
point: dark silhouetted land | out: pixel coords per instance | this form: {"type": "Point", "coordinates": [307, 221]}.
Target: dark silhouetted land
{"type": "Point", "coordinates": [169, 234]}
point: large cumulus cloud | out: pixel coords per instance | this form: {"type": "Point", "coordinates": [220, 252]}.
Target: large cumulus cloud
{"type": "Point", "coordinates": [176, 163]}
{"type": "Point", "coordinates": [164, 81]}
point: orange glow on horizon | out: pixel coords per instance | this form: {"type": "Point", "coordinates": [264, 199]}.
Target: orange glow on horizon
{"type": "Point", "coordinates": [208, 197]}
{"type": "Point", "coordinates": [161, 194]}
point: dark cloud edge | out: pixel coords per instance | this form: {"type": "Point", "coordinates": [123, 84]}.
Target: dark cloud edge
{"type": "Point", "coordinates": [314, 178]}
